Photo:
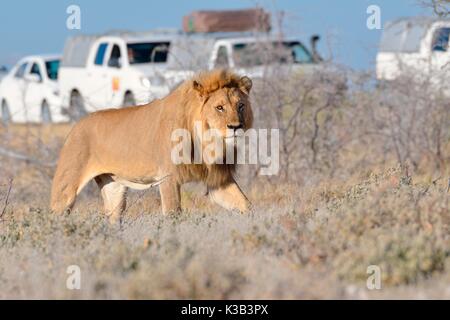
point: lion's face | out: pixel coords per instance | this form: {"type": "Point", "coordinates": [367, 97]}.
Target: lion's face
{"type": "Point", "coordinates": [227, 110]}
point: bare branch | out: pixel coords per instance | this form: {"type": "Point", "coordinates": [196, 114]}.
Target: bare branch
{"type": "Point", "coordinates": [5, 205]}
{"type": "Point", "coordinates": [441, 8]}
{"type": "Point", "coordinates": [22, 157]}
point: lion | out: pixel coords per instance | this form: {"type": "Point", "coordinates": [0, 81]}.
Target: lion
{"type": "Point", "coordinates": [131, 147]}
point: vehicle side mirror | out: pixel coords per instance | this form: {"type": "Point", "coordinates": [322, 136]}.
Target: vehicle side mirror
{"type": "Point", "coordinates": [32, 77]}
{"type": "Point", "coordinates": [315, 53]}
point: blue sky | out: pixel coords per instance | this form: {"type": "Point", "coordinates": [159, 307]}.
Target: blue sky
{"type": "Point", "coordinates": [33, 27]}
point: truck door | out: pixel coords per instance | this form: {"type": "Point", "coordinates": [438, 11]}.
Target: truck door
{"type": "Point", "coordinates": [114, 94]}
{"type": "Point", "coordinates": [16, 91]}
{"type": "Point", "coordinates": [220, 57]}
{"type": "Point", "coordinates": [34, 92]}
{"type": "Point", "coordinates": [95, 93]}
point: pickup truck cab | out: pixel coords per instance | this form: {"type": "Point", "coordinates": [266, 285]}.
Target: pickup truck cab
{"type": "Point", "coordinates": [29, 92]}
{"type": "Point", "coordinates": [246, 53]}
{"type": "Point", "coordinates": [111, 71]}
{"type": "Point", "coordinates": [417, 47]}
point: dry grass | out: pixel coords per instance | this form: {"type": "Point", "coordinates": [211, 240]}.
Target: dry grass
{"type": "Point", "coordinates": [341, 203]}
{"type": "Point", "coordinates": [299, 243]}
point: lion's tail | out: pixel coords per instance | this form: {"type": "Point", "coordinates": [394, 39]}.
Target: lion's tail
{"type": "Point", "coordinates": [69, 175]}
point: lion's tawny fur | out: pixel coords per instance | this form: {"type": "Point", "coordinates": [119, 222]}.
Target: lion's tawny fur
{"type": "Point", "coordinates": [134, 145]}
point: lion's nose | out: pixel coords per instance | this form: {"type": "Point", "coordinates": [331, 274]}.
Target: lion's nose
{"type": "Point", "coordinates": [234, 126]}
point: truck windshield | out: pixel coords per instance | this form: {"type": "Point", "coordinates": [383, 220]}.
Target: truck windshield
{"type": "Point", "coordinates": [149, 52]}
{"type": "Point", "coordinates": [260, 53]}
{"type": "Point", "coordinates": [52, 67]}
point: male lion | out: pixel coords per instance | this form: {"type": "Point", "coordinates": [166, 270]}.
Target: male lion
{"type": "Point", "coordinates": [131, 147]}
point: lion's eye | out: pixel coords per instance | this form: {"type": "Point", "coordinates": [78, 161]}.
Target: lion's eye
{"type": "Point", "coordinates": [241, 107]}
{"type": "Point", "coordinates": [219, 108]}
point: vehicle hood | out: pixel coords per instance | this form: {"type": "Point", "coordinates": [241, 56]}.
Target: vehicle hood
{"type": "Point", "coordinates": [150, 69]}
{"type": "Point", "coordinates": [306, 69]}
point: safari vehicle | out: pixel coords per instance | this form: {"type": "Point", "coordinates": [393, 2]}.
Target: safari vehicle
{"type": "Point", "coordinates": [29, 92]}
{"type": "Point", "coordinates": [113, 70]}
{"type": "Point", "coordinates": [246, 53]}
{"type": "Point", "coordinates": [236, 39]}
{"type": "Point", "coordinates": [418, 47]}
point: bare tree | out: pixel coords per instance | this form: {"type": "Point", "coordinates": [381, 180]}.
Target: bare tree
{"type": "Point", "coordinates": [441, 8]}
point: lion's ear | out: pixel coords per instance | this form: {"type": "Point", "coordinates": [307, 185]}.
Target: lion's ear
{"type": "Point", "coordinates": [245, 84]}
{"type": "Point", "coordinates": [198, 87]}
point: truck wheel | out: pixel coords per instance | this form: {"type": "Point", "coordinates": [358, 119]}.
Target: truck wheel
{"type": "Point", "coordinates": [46, 116]}
{"type": "Point", "coordinates": [6, 114]}
{"type": "Point", "coordinates": [128, 100]}
{"type": "Point", "coordinates": [76, 108]}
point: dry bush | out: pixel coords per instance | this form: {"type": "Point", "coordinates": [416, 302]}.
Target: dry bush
{"type": "Point", "coordinates": [333, 124]}
{"type": "Point", "coordinates": [440, 8]}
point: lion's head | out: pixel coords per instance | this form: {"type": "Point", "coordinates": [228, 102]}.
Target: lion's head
{"type": "Point", "coordinates": [224, 102]}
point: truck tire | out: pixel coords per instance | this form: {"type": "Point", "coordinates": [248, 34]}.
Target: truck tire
{"type": "Point", "coordinates": [76, 108]}
{"type": "Point", "coordinates": [128, 100]}
{"type": "Point", "coordinates": [46, 115]}
{"type": "Point", "coordinates": [6, 114]}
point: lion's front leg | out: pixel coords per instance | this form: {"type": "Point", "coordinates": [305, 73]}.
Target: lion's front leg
{"type": "Point", "coordinates": [170, 196]}
{"type": "Point", "coordinates": [230, 197]}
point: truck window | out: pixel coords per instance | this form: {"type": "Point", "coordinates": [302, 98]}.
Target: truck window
{"type": "Point", "coordinates": [100, 56]}
{"type": "Point", "coordinates": [36, 70]}
{"type": "Point", "coordinates": [155, 52]}
{"type": "Point", "coordinates": [298, 52]}
{"type": "Point", "coordinates": [52, 67]}
{"type": "Point", "coordinates": [222, 57]}
{"type": "Point", "coordinates": [114, 59]}
{"type": "Point", "coordinates": [21, 70]}
{"type": "Point", "coordinates": [440, 39]}
{"type": "Point", "coordinates": [253, 54]}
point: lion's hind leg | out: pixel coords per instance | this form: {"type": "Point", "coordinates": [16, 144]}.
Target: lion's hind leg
{"type": "Point", "coordinates": [114, 196]}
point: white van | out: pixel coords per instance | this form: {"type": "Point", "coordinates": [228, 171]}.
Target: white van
{"type": "Point", "coordinates": [29, 92]}
{"type": "Point", "coordinates": [418, 47]}
{"type": "Point", "coordinates": [115, 70]}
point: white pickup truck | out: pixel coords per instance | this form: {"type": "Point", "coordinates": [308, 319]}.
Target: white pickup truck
{"type": "Point", "coordinates": [415, 47]}
{"type": "Point", "coordinates": [29, 92]}
{"type": "Point", "coordinates": [246, 53]}
{"type": "Point", "coordinates": [114, 70]}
